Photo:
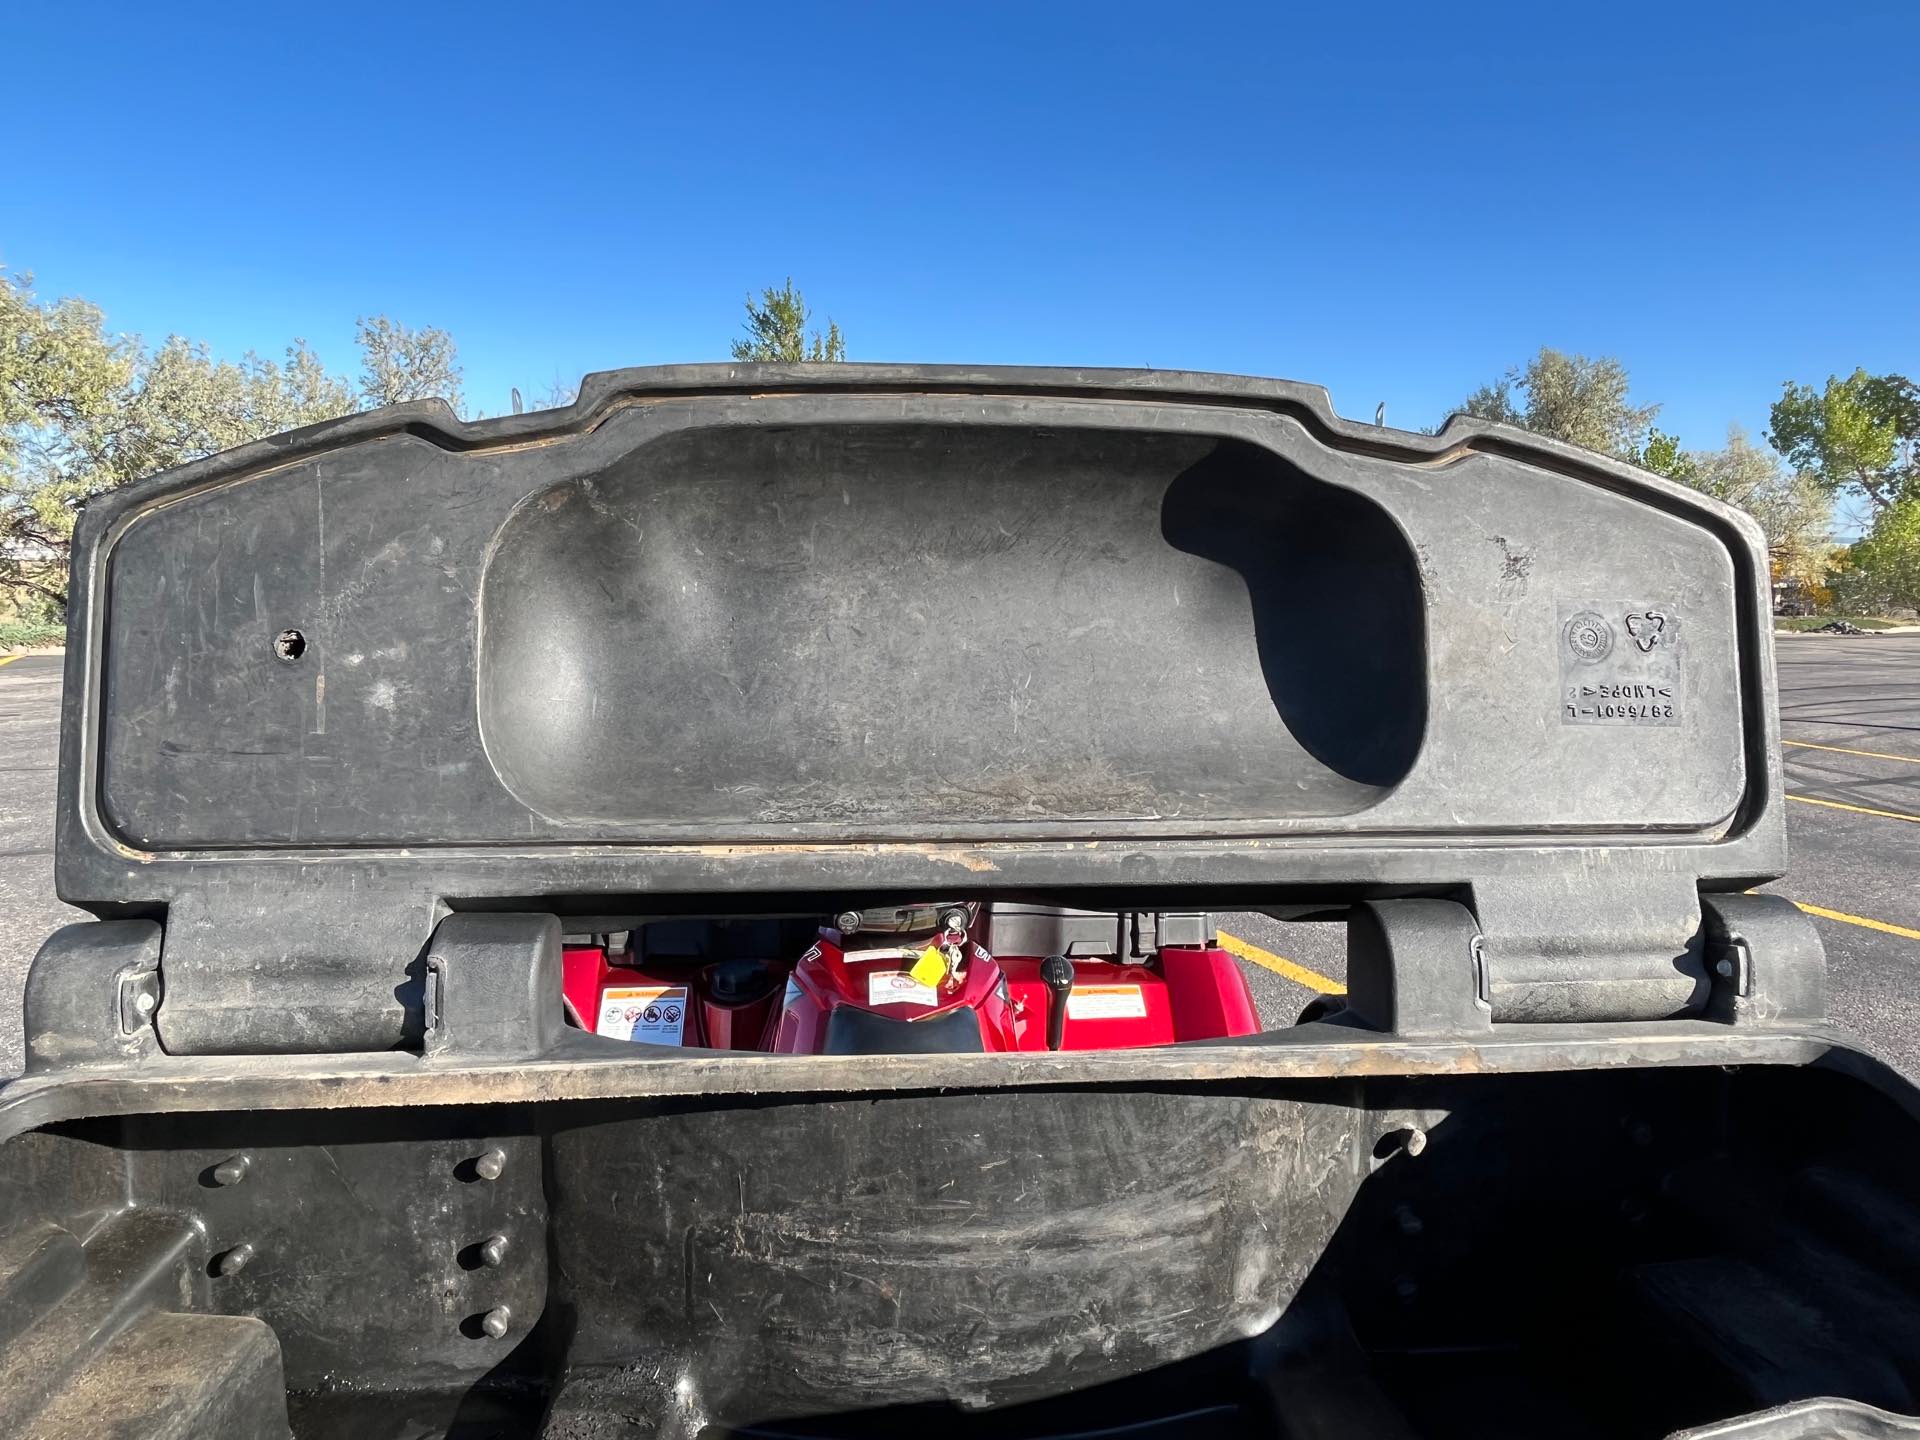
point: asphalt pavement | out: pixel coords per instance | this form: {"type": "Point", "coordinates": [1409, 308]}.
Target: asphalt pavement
{"type": "Point", "coordinates": [1850, 716]}
{"type": "Point", "coordinates": [29, 768]}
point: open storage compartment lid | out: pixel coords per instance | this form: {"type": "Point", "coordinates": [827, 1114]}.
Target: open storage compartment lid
{"type": "Point", "coordinates": [806, 629]}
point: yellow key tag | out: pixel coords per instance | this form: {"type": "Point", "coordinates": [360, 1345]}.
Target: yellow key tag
{"type": "Point", "coordinates": [930, 968]}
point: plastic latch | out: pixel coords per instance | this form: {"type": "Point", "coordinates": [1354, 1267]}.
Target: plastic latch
{"type": "Point", "coordinates": [1734, 965]}
{"type": "Point", "coordinates": [139, 998]}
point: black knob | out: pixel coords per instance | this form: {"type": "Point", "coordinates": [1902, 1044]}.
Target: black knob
{"type": "Point", "coordinates": [1056, 973]}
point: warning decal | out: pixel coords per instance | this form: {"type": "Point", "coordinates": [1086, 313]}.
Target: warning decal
{"type": "Point", "coordinates": [897, 987]}
{"type": "Point", "coordinates": [653, 1014]}
{"type": "Point", "coordinates": [1106, 1002]}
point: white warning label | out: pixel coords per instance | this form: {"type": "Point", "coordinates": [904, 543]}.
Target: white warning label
{"type": "Point", "coordinates": [654, 1014]}
{"type": "Point", "coordinates": [1106, 1002]}
{"type": "Point", "coordinates": [897, 987]}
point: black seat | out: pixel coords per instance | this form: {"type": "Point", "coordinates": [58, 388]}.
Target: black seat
{"type": "Point", "coordinates": [853, 1031]}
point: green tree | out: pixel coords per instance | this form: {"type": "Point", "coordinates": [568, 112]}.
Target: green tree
{"type": "Point", "coordinates": [399, 364]}
{"type": "Point", "coordinates": [1661, 453]}
{"type": "Point", "coordinates": [1882, 570]}
{"type": "Point", "coordinates": [777, 330]}
{"type": "Point", "coordinates": [60, 379]}
{"type": "Point", "coordinates": [1793, 509]}
{"type": "Point", "coordinates": [1571, 398]}
{"type": "Point", "coordinates": [1860, 434]}
{"type": "Point", "coordinates": [83, 411]}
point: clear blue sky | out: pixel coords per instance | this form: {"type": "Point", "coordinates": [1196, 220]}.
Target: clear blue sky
{"type": "Point", "coordinates": [1395, 202]}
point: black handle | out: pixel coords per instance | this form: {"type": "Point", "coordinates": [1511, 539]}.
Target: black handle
{"type": "Point", "coordinates": [1056, 973]}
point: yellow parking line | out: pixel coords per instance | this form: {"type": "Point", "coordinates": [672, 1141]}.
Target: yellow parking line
{"type": "Point", "coordinates": [1857, 809]}
{"type": "Point", "coordinates": [1267, 960]}
{"type": "Point", "coordinates": [1861, 920]}
{"type": "Point", "coordinates": [1842, 750]}
{"type": "Point", "coordinates": [8, 659]}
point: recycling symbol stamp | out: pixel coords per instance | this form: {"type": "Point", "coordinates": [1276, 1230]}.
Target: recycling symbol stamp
{"type": "Point", "coordinates": [1589, 636]}
{"type": "Point", "coordinates": [1619, 664]}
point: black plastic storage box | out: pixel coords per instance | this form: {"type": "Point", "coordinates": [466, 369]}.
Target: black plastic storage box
{"type": "Point", "coordinates": [361, 720]}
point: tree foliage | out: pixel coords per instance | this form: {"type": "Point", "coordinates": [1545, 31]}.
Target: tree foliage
{"type": "Point", "coordinates": [559, 392]}
{"type": "Point", "coordinates": [1588, 402]}
{"type": "Point", "coordinates": [1571, 398]}
{"type": "Point", "coordinates": [777, 330]}
{"type": "Point", "coordinates": [1860, 434]}
{"type": "Point", "coordinates": [83, 411]}
{"type": "Point", "coordinates": [1792, 508]}
{"type": "Point", "coordinates": [1661, 453]}
{"type": "Point", "coordinates": [399, 364]}
{"type": "Point", "coordinates": [1881, 571]}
